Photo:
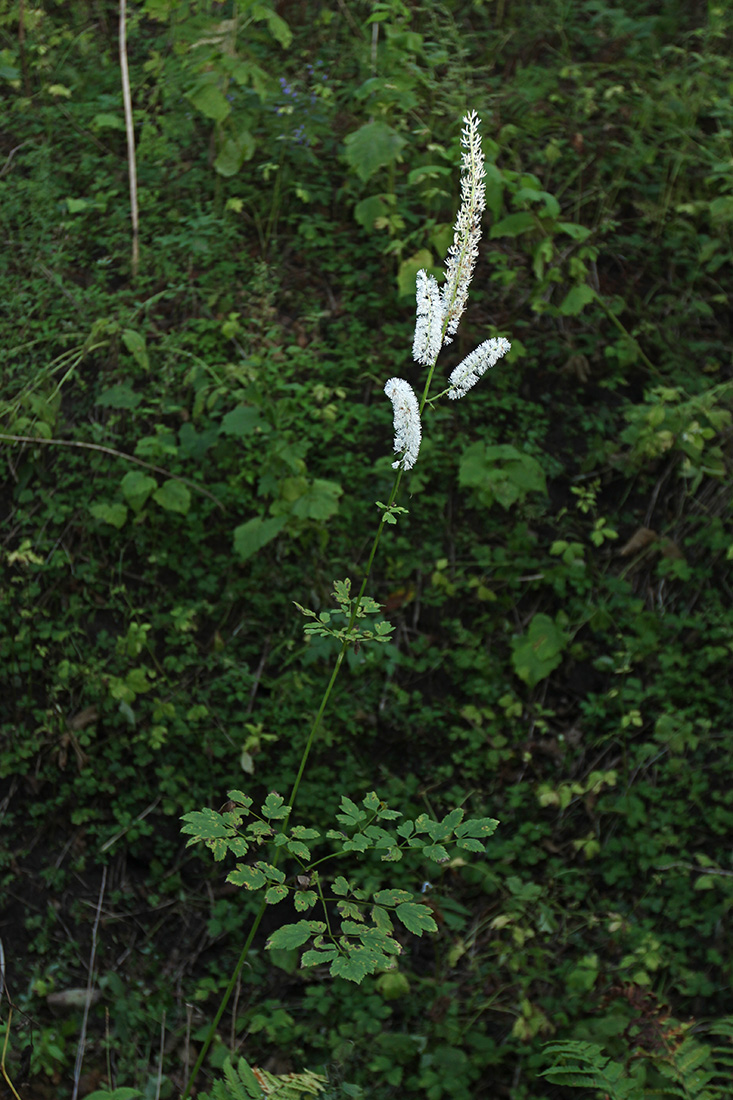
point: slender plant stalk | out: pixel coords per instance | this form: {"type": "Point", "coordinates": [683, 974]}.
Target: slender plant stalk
{"type": "Point", "coordinates": [438, 316]}
{"type": "Point", "coordinates": [293, 794]}
{"type": "Point", "coordinates": [130, 131]}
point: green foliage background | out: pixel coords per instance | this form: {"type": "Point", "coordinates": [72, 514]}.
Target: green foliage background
{"type": "Point", "coordinates": [561, 587]}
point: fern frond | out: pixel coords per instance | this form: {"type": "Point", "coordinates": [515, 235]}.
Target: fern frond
{"type": "Point", "coordinates": [245, 1082]}
{"type": "Point", "coordinates": [579, 1064]}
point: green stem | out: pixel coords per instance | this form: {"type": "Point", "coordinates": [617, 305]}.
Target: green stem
{"type": "Point", "coordinates": [306, 753]}
{"type": "Point", "coordinates": [225, 1000]}
{"type": "Point", "coordinates": [625, 332]}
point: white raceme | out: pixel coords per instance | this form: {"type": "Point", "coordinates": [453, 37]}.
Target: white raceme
{"type": "Point", "coordinates": [474, 365]}
{"type": "Point", "coordinates": [463, 253]}
{"type": "Point", "coordinates": [439, 309]}
{"type": "Point", "coordinates": [406, 422]}
{"type": "Point", "coordinates": [429, 326]}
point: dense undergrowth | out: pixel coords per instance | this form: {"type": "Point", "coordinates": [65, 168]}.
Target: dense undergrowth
{"type": "Point", "coordinates": [187, 452]}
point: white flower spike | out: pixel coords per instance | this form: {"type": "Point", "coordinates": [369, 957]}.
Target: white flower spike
{"type": "Point", "coordinates": [474, 365]}
{"type": "Point", "coordinates": [463, 253]}
{"type": "Point", "coordinates": [429, 327]}
{"type": "Point", "coordinates": [406, 422]}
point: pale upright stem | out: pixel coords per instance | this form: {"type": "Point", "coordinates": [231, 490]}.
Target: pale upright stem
{"type": "Point", "coordinates": [130, 131]}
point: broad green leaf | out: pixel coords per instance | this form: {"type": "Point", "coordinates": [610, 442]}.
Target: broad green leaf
{"type": "Point", "coordinates": [249, 877]}
{"type": "Point", "coordinates": [195, 444]}
{"type": "Point", "coordinates": [242, 421]}
{"type": "Point", "coordinates": [575, 231]}
{"type": "Point", "coordinates": [371, 147]}
{"type": "Point", "coordinates": [276, 25]}
{"type": "Point", "coordinates": [416, 918]}
{"type": "Point", "coordinates": [108, 122]}
{"type": "Point", "coordinates": [210, 102]}
{"type": "Point", "coordinates": [538, 652]}
{"type": "Point", "coordinates": [551, 207]}
{"type": "Point", "coordinates": [295, 935]}
{"type": "Point", "coordinates": [340, 885]}
{"type": "Point", "coordinates": [576, 299]}
{"type": "Point", "coordinates": [319, 501]}
{"type": "Point", "coordinates": [173, 496]}
{"type": "Point", "coordinates": [251, 536]}
{"type": "Point", "coordinates": [301, 832]}
{"type": "Point", "coordinates": [369, 210]}
{"type": "Point", "coordinates": [408, 269]}
{"type": "Point", "coordinates": [137, 680]}
{"type": "Point", "coordinates": [136, 488]}
{"type": "Point", "coordinates": [135, 344]}
{"type": "Point", "coordinates": [114, 514]}
{"type": "Point", "coordinates": [513, 225]}
{"type": "Point", "coordinates": [121, 396]}
{"type": "Point", "coordinates": [392, 985]}
{"type": "Point", "coordinates": [234, 152]}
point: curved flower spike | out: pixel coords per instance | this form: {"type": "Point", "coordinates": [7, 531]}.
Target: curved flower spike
{"type": "Point", "coordinates": [474, 365]}
{"type": "Point", "coordinates": [406, 421]}
{"type": "Point", "coordinates": [463, 253]}
{"type": "Point", "coordinates": [429, 327]}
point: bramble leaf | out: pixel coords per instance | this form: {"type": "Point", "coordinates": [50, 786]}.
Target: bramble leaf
{"type": "Point", "coordinates": [274, 806]}
{"type": "Point", "coordinates": [249, 877]}
{"type": "Point", "coordinates": [350, 812]}
{"type": "Point", "coordinates": [436, 852]}
{"type": "Point", "coordinates": [478, 826]}
{"type": "Point", "coordinates": [416, 918]}
{"type": "Point", "coordinates": [392, 897]}
{"type": "Point", "coordinates": [241, 799]}
{"type": "Point", "coordinates": [318, 957]}
{"type": "Point", "coordinates": [276, 894]}
{"type": "Point", "coordinates": [294, 935]}
{"type": "Point", "coordinates": [356, 965]}
{"type": "Point", "coordinates": [304, 900]}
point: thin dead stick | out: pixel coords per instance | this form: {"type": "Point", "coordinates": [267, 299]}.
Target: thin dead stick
{"type": "Point", "coordinates": [90, 983]}
{"type": "Point", "coordinates": [7, 1031]}
{"type": "Point", "coordinates": [160, 1060]}
{"type": "Point", "coordinates": [129, 130]}
{"type": "Point", "coordinates": [115, 454]}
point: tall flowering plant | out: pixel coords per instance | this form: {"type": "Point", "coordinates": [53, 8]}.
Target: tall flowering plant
{"type": "Point", "coordinates": [353, 932]}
